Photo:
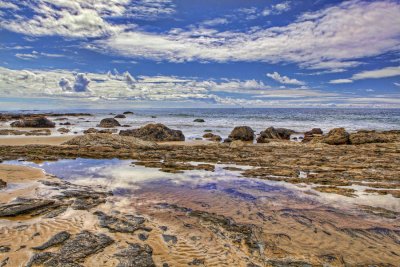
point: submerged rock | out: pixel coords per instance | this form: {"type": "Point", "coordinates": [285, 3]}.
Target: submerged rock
{"type": "Point", "coordinates": [109, 123]}
{"type": "Point", "coordinates": [120, 116]}
{"type": "Point", "coordinates": [128, 112]}
{"type": "Point", "coordinates": [115, 141]}
{"type": "Point", "coordinates": [337, 136]}
{"type": "Point", "coordinates": [40, 122]}
{"type": "Point", "coordinates": [155, 132]}
{"type": "Point", "coordinates": [243, 133]}
{"type": "Point", "coordinates": [274, 133]}
{"type": "Point", "coordinates": [135, 255]}
{"type": "Point", "coordinates": [199, 120]}
{"type": "Point", "coordinates": [57, 239]}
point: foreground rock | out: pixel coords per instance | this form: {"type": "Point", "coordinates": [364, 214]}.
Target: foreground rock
{"type": "Point", "coordinates": [109, 123]}
{"type": "Point", "coordinates": [337, 136]}
{"type": "Point", "coordinates": [155, 132]}
{"type": "Point", "coordinates": [40, 122]}
{"type": "Point", "coordinates": [274, 133]}
{"type": "Point", "coordinates": [242, 133]}
{"type": "Point", "coordinates": [73, 251]}
{"type": "Point", "coordinates": [122, 224]}
{"type": "Point", "coordinates": [135, 255]}
{"type": "Point", "coordinates": [22, 206]}
{"type": "Point", "coordinates": [109, 140]}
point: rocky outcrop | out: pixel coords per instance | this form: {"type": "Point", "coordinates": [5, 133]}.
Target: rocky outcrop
{"type": "Point", "coordinates": [120, 116]}
{"type": "Point", "coordinates": [110, 140]}
{"type": "Point", "coordinates": [212, 137]}
{"type": "Point", "coordinates": [155, 132]}
{"type": "Point", "coordinates": [366, 137]}
{"type": "Point", "coordinates": [310, 135]}
{"type": "Point", "coordinates": [135, 255]}
{"type": "Point", "coordinates": [73, 251]}
{"type": "Point", "coordinates": [22, 206]}
{"type": "Point", "coordinates": [274, 133]}
{"type": "Point", "coordinates": [109, 123]}
{"type": "Point", "coordinates": [337, 136]}
{"type": "Point", "coordinates": [242, 133]}
{"type": "Point", "coordinates": [40, 122]}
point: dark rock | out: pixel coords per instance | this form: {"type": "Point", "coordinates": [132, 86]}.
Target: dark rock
{"type": "Point", "coordinates": [120, 116]}
{"type": "Point", "coordinates": [39, 259]}
{"type": "Point", "coordinates": [40, 122]}
{"type": "Point", "coordinates": [243, 133]}
{"type": "Point", "coordinates": [65, 123]}
{"type": "Point", "coordinates": [57, 239]}
{"type": "Point", "coordinates": [63, 130]}
{"type": "Point", "coordinates": [4, 249]}
{"type": "Point", "coordinates": [3, 184]}
{"type": "Point", "coordinates": [109, 140]}
{"type": "Point", "coordinates": [135, 255]}
{"type": "Point", "coordinates": [155, 132]}
{"type": "Point", "coordinates": [274, 133]}
{"type": "Point", "coordinates": [337, 136]}
{"type": "Point", "coordinates": [120, 224]}
{"type": "Point", "coordinates": [196, 262]}
{"type": "Point", "coordinates": [288, 263]}
{"type": "Point", "coordinates": [108, 123]}
{"type": "Point", "coordinates": [227, 140]}
{"type": "Point", "coordinates": [143, 236]}
{"type": "Point", "coordinates": [314, 131]}
{"type": "Point", "coordinates": [199, 120]}
{"type": "Point", "coordinates": [128, 113]}
{"type": "Point", "coordinates": [23, 206]}
{"type": "Point", "coordinates": [212, 137]}
{"type": "Point", "coordinates": [170, 239]}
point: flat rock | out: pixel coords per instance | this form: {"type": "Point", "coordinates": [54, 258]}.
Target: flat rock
{"type": "Point", "coordinates": [135, 255]}
{"type": "Point", "coordinates": [274, 133]}
{"type": "Point", "coordinates": [115, 141]}
{"type": "Point", "coordinates": [55, 240]}
{"type": "Point", "coordinates": [22, 206]}
{"type": "Point", "coordinates": [128, 224]}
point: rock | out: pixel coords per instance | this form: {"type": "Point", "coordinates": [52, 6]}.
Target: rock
{"type": "Point", "coordinates": [4, 249]}
{"type": "Point", "coordinates": [227, 140]}
{"type": "Point", "coordinates": [27, 133]}
{"type": "Point", "coordinates": [236, 144]}
{"type": "Point", "coordinates": [109, 123]}
{"type": "Point", "coordinates": [155, 132]}
{"type": "Point", "coordinates": [128, 113]}
{"type": "Point", "coordinates": [57, 239]}
{"type": "Point", "coordinates": [40, 122]}
{"type": "Point", "coordinates": [212, 137]}
{"type": "Point", "coordinates": [63, 130]}
{"type": "Point", "coordinates": [103, 131]}
{"type": "Point", "coordinates": [337, 136]}
{"type": "Point", "coordinates": [120, 224]}
{"type": "Point", "coordinates": [135, 255]}
{"type": "Point", "coordinates": [65, 123]}
{"type": "Point", "coordinates": [199, 120]}
{"type": "Point", "coordinates": [274, 133]}
{"type": "Point", "coordinates": [196, 262]}
{"type": "Point", "coordinates": [143, 236]}
{"type": "Point", "coordinates": [365, 137]}
{"type": "Point", "coordinates": [310, 135]}
{"type": "Point", "coordinates": [73, 251]}
{"type": "Point", "coordinates": [314, 131]}
{"type": "Point", "coordinates": [115, 141]}
{"type": "Point", "coordinates": [3, 184]}
{"type": "Point", "coordinates": [170, 239]}
{"type": "Point", "coordinates": [22, 206]}
{"type": "Point", "coordinates": [120, 116]}
{"type": "Point", "coordinates": [243, 133]}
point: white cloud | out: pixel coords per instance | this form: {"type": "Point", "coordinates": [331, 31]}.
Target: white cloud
{"type": "Point", "coordinates": [284, 79]}
{"type": "Point", "coordinates": [371, 74]}
{"type": "Point", "coordinates": [276, 9]}
{"type": "Point", "coordinates": [216, 21]}
{"type": "Point", "coordinates": [26, 56]}
{"type": "Point", "coordinates": [35, 55]}
{"type": "Point", "coordinates": [397, 84]}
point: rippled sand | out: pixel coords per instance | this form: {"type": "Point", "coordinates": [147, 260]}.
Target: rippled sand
{"type": "Point", "coordinates": [194, 220]}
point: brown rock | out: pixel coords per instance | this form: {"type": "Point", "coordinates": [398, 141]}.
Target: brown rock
{"type": "Point", "coordinates": [274, 133]}
{"type": "Point", "coordinates": [63, 130]}
{"type": "Point", "coordinates": [243, 133]}
{"type": "Point", "coordinates": [155, 132]}
{"type": "Point", "coordinates": [40, 122]}
{"type": "Point", "coordinates": [365, 137]}
{"type": "Point", "coordinates": [337, 136]}
{"type": "Point", "coordinates": [109, 123]}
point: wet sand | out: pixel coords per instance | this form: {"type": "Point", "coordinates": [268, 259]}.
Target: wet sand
{"type": "Point", "coordinates": [36, 140]}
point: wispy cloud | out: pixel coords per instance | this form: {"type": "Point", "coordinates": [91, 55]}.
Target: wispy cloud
{"type": "Point", "coordinates": [371, 74]}
{"type": "Point", "coordinates": [284, 79]}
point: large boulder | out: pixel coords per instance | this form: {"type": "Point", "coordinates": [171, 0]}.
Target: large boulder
{"type": "Point", "coordinates": [108, 123]}
{"type": "Point", "coordinates": [243, 133]}
{"type": "Point", "coordinates": [112, 140]}
{"type": "Point", "coordinates": [155, 132]}
{"type": "Point", "coordinates": [337, 136]}
{"type": "Point", "coordinates": [274, 133]}
{"type": "Point", "coordinates": [39, 122]}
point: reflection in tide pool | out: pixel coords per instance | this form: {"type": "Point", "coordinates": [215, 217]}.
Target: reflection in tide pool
{"type": "Point", "coordinates": [125, 178]}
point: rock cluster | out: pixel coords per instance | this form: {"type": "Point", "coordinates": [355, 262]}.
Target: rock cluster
{"type": "Point", "coordinates": [40, 122]}
{"type": "Point", "coordinates": [155, 132]}
{"type": "Point", "coordinates": [109, 123]}
{"type": "Point", "coordinates": [274, 133]}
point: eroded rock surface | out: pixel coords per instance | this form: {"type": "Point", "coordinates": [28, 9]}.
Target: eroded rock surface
{"type": "Point", "coordinates": [122, 223]}
{"type": "Point", "coordinates": [155, 132]}
{"type": "Point", "coordinates": [135, 255]}
{"type": "Point", "coordinates": [55, 240]}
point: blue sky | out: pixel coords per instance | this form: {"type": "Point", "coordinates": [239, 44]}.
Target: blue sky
{"type": "Point", "coordinates": [199, 53]}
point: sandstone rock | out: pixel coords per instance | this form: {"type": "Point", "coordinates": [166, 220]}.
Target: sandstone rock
{"type": "Point", "coordinates": [38, 132]}
{"type": "Point", "coordinates": [365, 137]}
{"type": "Point", "coordinates": [57, 239]}
{"type": "Point", "coordinates": [155, 132]}
{"type": "Point", "coordinates": [310, 135]}
{"type": "Point", "coordinates": [120, 116]}
{"type": "Point", "coordinates": [115, 141]}
{"type": "Point", "coordinates": [103, 131]}
{"type": "Point", "coordinates": [337, 136]}
{"type": "Point", "coordinates": [22, 206]}
{"type": "Point", "coordinates": [212, 137]}
{"type": "Point", "coordinates": [109, 123]}
{"type": "Point", "coordinates": [274, 133]}
{"type": "Point", "coordinates": [40, 122]}
{"type": "Point", "coordinates": [243, 133]}
{"type": "Point", "coordinates": [236, 144]}
{"type": "Point", "coordinates": [63, 130]}
{"type": "Point", "coordinates": [199, 120]}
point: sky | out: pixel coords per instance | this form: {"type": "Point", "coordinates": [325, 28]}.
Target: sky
{"type": "Point", "coordinates": [57, 54]}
